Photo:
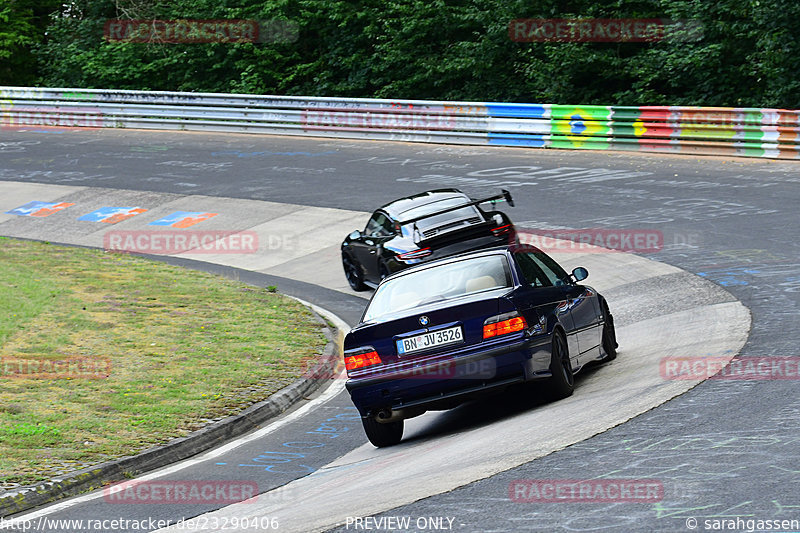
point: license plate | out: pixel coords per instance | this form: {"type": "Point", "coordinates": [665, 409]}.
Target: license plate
{"type": "Point", "coordinates": [432, 339]}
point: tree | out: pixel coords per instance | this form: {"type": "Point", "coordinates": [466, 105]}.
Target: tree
{"type": "Point", "coordinates": [430, 49]}
{"type": "Point", "coordinates": [22, 25]}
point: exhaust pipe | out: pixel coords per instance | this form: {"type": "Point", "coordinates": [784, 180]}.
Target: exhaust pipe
{"type": "Point", "coordinates": [386, 416]}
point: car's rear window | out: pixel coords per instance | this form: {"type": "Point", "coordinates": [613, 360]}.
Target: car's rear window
{"type": "Point", "coordinates": [440, 282]}
{"type": "Point", "coordinates": [467, 212]}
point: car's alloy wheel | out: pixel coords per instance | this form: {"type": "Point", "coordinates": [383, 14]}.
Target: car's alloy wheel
{"type": "Point", "coordinates": [354, 275]}
{"type": "Point", "coordinates": [562, 383]}
{"type": "Point", "coordinates": [609, 335]}
{"type": "Point", "coordinates": [382, 435]}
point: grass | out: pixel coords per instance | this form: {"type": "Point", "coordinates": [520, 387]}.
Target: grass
{"type": "Point", "coordinates": [170, 349]}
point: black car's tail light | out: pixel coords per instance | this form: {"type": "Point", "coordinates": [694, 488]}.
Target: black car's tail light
{"type": "Point", "coordinates": [415, 254]}
{"type": "Point", "coordinates": [361, 358]}
{"type": "Point", "coordinates": [503, 324]}
{"type": "Point", "coordinates": [502, 230]}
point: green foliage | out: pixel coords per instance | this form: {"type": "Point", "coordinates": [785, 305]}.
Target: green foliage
{"type": "Point", "coordinates": [22, 25]}
{"type": "Point", "coordinates": [432, 49]}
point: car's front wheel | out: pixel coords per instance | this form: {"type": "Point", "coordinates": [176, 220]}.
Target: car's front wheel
{"type": "Point", "coordinates": [382, 435]}
{"type": "Point", "coordinates": [562, 382]}
{"type": "Point", "coordinates": [354, 275]}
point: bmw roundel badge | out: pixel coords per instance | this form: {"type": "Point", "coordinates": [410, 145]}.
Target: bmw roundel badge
{"type": "Point", "coordinates": [424, 321]}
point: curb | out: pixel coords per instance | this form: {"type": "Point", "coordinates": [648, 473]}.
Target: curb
{"type": "Point", "coordinates": [29, 497]}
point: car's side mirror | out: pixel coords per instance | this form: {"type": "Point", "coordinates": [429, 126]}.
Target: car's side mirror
{"type": "Point", "coordinates": [580, 274]}
{"type": "Point", "coordinates": [355, 235]}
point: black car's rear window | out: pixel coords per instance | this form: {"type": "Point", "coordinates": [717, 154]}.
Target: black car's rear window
{"type": "Point", "coordinates": [458, 214]}
{"type": "Point", "coordinates": [439, 282]}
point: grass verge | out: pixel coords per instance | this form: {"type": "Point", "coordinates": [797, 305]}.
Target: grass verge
{"type": "Point", "coordinates": [103, 355]}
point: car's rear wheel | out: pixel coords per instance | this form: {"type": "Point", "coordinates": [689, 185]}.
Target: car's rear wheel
{"type": "Point", "coordinates": [609, 334]}
{"type": "Point", "coordinates": [354, 275]}
{"type": "Point", "coordinates": [382, 435]}
{"type": "Point", "coordinates": [562, 382]}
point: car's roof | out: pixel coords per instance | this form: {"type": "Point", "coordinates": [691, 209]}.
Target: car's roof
{"type": "Point", "coordinates": [397, 207]}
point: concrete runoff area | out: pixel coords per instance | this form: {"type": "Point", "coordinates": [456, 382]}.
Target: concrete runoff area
{"type": "Point", "coordinates": [285, 233]}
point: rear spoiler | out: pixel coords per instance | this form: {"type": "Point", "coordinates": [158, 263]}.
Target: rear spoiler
{"type": "Point", "coordinates": [505, 197]}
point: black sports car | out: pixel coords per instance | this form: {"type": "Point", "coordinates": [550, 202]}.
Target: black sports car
{"type": "Point", "coordinates": [423, 227]}
{"type": "Point", "coordinates": [438, 334]}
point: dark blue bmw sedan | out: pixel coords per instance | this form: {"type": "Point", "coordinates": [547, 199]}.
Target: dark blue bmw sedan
{"type": "Point", "coordinates": [444, 332]}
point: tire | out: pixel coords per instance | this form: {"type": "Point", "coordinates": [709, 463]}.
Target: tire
{"type": "Point", "coordinates": [354, 275]}
{"type": "Point", "coordinates": [382, 435]}
{"type": "Point", "coordinates": [609, 334]}
{"type": "Point", "coordinates": [562, 382]}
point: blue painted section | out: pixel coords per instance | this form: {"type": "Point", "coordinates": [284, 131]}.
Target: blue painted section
{"type": "Point", "coordinates": [176, 217]}
{"type": "Point", "coordinates": [576, 124]}
{"type": "Point", "coordinates": [30, 208]}
{"type": "Point", "coordinates": [105, 213]}
{"type": "Point", "coordinates": [730, 277]}
{"type": "Point", "coordinates": [517, 139]}
{"type": "Point", "coordinates": [516, 110]}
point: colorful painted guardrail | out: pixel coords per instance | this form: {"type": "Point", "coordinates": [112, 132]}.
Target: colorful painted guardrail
{"type": "Point", "coordinates": [771, 133]}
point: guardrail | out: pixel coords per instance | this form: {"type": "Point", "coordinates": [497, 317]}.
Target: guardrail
{"type": "Point", "coordinates": [749, 132]}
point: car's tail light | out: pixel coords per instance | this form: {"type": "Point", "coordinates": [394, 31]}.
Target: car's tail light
{"type": "Point", "coordinates": [363, 357]}
{"type": "Point", "coordinates": [503, 324]}
{"type": "Point", "coordinates": [502, 230]}
{"type": "Point", "coordinates": [416, 254]}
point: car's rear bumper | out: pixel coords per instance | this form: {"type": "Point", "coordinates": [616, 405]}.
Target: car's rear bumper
{"type": "Point", "coordinates": [447, 381]}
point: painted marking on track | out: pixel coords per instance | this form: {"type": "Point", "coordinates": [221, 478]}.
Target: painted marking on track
{"type": "Point", "coordinates": [39, 209]}
{"type": "Point", "coordinates": [183, 219]}
{"type": "Point", "coordinates": [112, 215]}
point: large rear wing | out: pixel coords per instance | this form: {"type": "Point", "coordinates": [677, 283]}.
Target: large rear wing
{"type": "Point", "coordinates": [505, 196]}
